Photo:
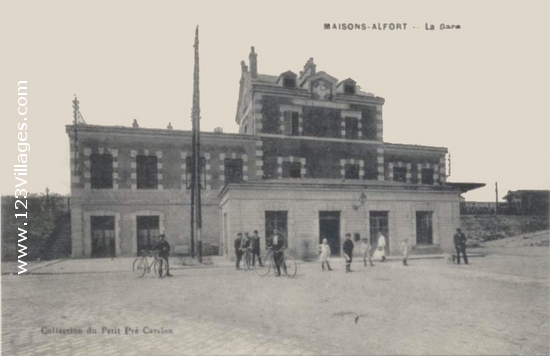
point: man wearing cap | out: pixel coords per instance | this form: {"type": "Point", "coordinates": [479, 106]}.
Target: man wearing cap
{"type": "Point", "coordinates": [277, 244]}
{"type": "Point", "coordinates": [238, 250]}
{"type": "Point", "coordinates": [460, 245]}
{"type": "Point", "coordinates": [164, 251]}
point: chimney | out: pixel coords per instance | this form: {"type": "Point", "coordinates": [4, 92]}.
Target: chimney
{"type": "Point", "coordinates": [244, 67]}
{"type": "Point", "coordinates": [252, 59]}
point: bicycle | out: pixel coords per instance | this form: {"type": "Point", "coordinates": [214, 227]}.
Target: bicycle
{"type": "Point", "coordinates": [158, 264]}
{"type": "Point", "coordinates": [288, 265]}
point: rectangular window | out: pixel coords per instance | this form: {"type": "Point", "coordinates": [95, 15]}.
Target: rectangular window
{"type": "Point", "coordinates": [427, 176]}
{"type": "Point", "coordinates": [400, 174]}
{"type": "Point", "coordinates": [103, 236]}
{"type": "Point", "coordinates": [189, 171]}
{"type": "Point", "coordinates": [147, 172]}
{"type": "Point", "coordinates": [292, 170]}
{"type": "Point", "coordinates": [424, 228]}
{"type": "Point", "coordinates": [233, 170]}
{"type": "Point", "coordinates": [292, 123]}
{"type": "Point", "coordinates": [101, 170]}
{"type": "Point", "coordinates": [352, 128]}
{"type": "Point", "coordinates": [351, 171]}
{"type": "Point", "coordinates": [289, 82]}
{"type": "Point", "coordinates": [147, 232]}
{"type": "Point", "coordinates": [349, 89]}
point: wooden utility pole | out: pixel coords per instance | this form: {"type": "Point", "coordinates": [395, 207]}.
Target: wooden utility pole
{"type": "Point", "coordinates": [496, 197]}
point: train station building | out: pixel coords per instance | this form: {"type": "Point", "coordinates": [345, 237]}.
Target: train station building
{"type": "Point", "coordinates": [309, 160]}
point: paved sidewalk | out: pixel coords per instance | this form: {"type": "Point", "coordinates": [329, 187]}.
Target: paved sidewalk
{"type": "Point", "coordinates": [124, 264]}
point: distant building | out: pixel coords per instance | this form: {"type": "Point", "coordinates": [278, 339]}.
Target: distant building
{"type": "Point", "coordinates": [309, 160]}
{"type": "Point", "coordinates": [528, 202]}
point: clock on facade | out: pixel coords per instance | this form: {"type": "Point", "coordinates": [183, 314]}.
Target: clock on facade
{"type": "Point", "coordinates": [321, 90]}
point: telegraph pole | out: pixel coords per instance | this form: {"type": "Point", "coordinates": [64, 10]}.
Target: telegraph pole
{"type": "Point", "coordinates": [496, 197]}
{"type": "Point", "coordinates": [196, 149]}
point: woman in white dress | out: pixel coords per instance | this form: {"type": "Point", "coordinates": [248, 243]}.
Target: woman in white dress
{"type": "Point", "coordinates": [380, 248]}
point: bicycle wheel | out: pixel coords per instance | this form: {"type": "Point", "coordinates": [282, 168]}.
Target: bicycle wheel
{"type": "Point", "coordinates": [289, 266]}
{"type": "Point", "coordinates": [264, 268]}
{"type": "Point", "coordinates": [160, 267]}
{"type": "Point", "coordinates": [139, 267]}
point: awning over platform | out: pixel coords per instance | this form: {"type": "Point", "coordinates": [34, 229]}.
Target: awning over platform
{"type": "Point", "coordinates": [465, 187]}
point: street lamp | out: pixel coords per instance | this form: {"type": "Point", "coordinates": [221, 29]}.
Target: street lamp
{"type": "Point", "coordinates": [362, 200]}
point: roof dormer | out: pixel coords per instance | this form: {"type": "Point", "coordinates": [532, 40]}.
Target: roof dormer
{"type": "Point", "coordinates": [287, 79]}
{"type": "Point", "coordinates": [347, 86]}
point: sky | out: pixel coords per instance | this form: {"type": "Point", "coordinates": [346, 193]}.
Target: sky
{"type": "Point", "coordinates": [479, 90]}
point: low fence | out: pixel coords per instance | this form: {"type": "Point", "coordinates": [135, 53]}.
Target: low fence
{"type": "Point", "coordinates": [485, 208]}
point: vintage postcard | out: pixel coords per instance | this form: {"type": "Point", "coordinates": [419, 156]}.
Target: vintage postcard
{"type": "Point", "coordinates": [274, 178]}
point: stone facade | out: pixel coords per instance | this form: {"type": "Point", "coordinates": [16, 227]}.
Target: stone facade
{"type": "Point", "coordinates": [308, 147]}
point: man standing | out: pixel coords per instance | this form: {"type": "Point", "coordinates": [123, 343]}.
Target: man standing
{"type": "Point", "coordinates": [255, 247]}
{"type": "Point", "coordinates": [277, 244]}
{"type": "Point", "coordinates": [238, 250]}
{"type": "Point", "coordinates": [245, 245]}
{"type": "Point", "coordinates": [164, 251]}
{"type": "Point", "coordinates": [460, 245]}
{"type": "Point", "coordinates": [348, 252]}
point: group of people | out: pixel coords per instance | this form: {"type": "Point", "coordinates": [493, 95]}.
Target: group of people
{"type": "Point", "coordinates": [276, 243]}
{"type": "Point", "coordinates": [250, 243]}
{"type": "Point", "coordinates": [348, 246]}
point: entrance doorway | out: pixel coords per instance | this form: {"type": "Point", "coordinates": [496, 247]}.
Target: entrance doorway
{"type": "Point", "coordinates": [147, 232]}
{"type": "Point", "coordinates": [276, 220]}
{"type": "Point", "coordinates": [379, 223]}
{"type": "Point", "coordinates": [424, 229]}
{"type": "Point", "coordinates": [329, 228]}
{"type": "Point", "coordinates": [103, 236]}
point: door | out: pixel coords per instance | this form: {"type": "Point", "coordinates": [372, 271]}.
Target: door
{"type": "Point", "coordinates": [276, 220]}
{"type": "Point", "coordinates": [103, 236]}
{"type": "Point", "coordinates": [424, 229]}
{"type": "Point", "coordinates": [329, 228]}
{"type": "Point", "coordinates": [379, 222]}
{"type": "Point", "coordinates": [147, 232]}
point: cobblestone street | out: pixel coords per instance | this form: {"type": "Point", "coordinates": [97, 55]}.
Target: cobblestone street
{"type": "Point", "coordinates": [496, 305]}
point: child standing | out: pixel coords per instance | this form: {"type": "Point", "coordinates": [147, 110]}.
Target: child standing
{"type": "Point", "coordinates": [348, 252]}
{"type": "Point", "coordinates": [324, 248]}
{"type": "Point", "coordinates": [365, 248]}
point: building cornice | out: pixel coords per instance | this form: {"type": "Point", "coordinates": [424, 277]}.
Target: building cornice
{"type": "Point", "coordinates": [161, 134]}
{"type": "Point", "coordinates": [339, 185]}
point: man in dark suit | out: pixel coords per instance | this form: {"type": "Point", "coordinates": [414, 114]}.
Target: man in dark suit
{"type": "Point", "coordinates": [277, 243]}
{"type": "Point", "coordinates": [255, 247]}
{"type": "Point", "coordinates": [238, 249]}
{"type": "Point", "coordinates": [460, 245]}
{"type": "Point", "coordinates": [164, 251]}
